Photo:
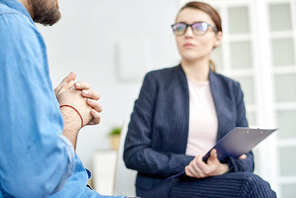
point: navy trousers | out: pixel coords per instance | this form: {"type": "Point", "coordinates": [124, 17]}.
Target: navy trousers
{"type": "Point", "coordinates": [230, 185]}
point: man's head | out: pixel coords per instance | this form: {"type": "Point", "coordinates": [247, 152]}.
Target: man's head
{"type": "Point", "coordinates": [45, 12]}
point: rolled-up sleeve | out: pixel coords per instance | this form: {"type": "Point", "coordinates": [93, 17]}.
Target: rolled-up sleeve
{"type": "Point", "coordinates": [35, 159]}
{"type": "Point", "coordinates": [76, 185]}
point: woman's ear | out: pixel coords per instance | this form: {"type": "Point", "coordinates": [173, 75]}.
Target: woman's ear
{"type": "Point", "coordinates": [218, 41]}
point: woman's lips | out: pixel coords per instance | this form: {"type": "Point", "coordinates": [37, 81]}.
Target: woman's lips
{"type": "Point", "coordinates": [188, 45]}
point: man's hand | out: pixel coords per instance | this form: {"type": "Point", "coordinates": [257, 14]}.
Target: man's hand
{"type": "Point", "coordinates": [91, 97]}
{"type": "Point", "coordinates": [81, 97]}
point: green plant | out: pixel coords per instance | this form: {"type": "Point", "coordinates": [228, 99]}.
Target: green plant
{"type": "Point", "coordinates": [115, 131]}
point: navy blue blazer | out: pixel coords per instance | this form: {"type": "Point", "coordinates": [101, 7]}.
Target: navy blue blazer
{"type": "Point", "coordinates": [157, 134]}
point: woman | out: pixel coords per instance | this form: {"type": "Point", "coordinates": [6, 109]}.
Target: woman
{"type": "Point", "coordinates": [182, 112]}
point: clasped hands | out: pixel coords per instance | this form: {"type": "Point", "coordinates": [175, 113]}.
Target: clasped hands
{"type": "Point", "coordinates": [197, 168]}
{"type": "Point", "coordinates": [80, 96]}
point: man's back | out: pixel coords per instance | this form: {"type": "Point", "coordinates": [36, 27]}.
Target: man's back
{"type": "Point", "coordinates": [36, 160]}
{"type": "Point", "coordinates": [32, 148]}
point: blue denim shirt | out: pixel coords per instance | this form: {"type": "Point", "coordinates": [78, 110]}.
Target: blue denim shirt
{"type": "Point", "coordinates": [35, 159]}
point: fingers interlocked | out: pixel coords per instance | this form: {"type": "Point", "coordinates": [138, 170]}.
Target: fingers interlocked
{"type": "Point", "coordinates": [91, 97]}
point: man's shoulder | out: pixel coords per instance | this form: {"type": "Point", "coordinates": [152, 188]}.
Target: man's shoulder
{"type": "Point", "coordinates": [18, 32]}
{"type": "Point", "coordinates": [4, 9]}
{"type": "Point", "coordinates": [10, 17]}
{"type": "Point", "coordinates": [15, 24]}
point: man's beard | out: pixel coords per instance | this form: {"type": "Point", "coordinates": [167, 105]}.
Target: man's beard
{"type": "Point", "coordinates": [45, 12]}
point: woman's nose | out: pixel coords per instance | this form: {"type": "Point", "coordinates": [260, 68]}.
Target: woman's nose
{"type": "Point", "coordinates": [188, 32]}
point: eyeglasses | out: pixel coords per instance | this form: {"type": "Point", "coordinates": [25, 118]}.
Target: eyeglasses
{"type": "Point", "coordinates": [198, 28]}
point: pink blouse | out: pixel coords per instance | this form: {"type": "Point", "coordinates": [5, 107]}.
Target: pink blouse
{"type": "Point", "coordinates": [203, 122]}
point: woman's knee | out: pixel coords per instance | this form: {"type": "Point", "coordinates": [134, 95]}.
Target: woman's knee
{"type": "Point", "coordinates": [252, 179]}
{"type": "Point", "coordinates": [255, 186]}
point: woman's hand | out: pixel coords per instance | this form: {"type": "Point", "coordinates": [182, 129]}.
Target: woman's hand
{"type": "Point", "coordinates": [199, 169]}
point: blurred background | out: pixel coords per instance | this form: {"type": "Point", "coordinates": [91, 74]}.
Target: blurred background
{"type": "Point", "coordinates": [111, 44]}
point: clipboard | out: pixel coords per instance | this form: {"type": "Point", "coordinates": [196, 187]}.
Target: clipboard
{"type": "Point", "coordinates": [238, 141]}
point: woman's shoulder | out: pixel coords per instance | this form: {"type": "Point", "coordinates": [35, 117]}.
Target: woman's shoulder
{"type": "Point", "coordinates": [227, 80]}
{"type": "Point", "coordinates": [163, 73]}
{"type": "Point", "coordinates": [162, 79]}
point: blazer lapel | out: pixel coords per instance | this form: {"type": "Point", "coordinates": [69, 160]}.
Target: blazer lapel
{"type": "Point", "coordinates": [183, 123]}
{"type": "Point", "coordinates": [223, 104]}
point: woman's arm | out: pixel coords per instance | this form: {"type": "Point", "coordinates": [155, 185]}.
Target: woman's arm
{"type": "Point", "coordinates": [138, 153]}
{"type": "Point", "coordinates": [247, 164]}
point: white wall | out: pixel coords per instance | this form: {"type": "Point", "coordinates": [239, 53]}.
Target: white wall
{"type": "Point", "coordinates": [85, 41]}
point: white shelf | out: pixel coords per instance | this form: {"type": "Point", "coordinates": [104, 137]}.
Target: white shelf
{"type": "Point", "coordinates": [104, 163]}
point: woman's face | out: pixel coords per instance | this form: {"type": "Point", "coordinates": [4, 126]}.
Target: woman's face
{"type": "Point", "coordinates": [194, 47]}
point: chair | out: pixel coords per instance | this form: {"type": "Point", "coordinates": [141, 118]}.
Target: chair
{"type": "Point", "coordinates": [124, 183]}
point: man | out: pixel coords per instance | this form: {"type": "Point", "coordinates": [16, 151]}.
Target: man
{"type": "Point", "coordinates": [37, 158]}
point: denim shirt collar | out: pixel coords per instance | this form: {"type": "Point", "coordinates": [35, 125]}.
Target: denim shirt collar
{"type": "Point", "coordinates": [16, 5]}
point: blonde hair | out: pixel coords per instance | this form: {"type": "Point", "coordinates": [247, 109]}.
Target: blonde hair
{"type": "Point", "coordinates": [212, 65]}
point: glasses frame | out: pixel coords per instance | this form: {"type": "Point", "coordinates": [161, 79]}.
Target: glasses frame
{"type": "Point", "coordinates": [193, 30]}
